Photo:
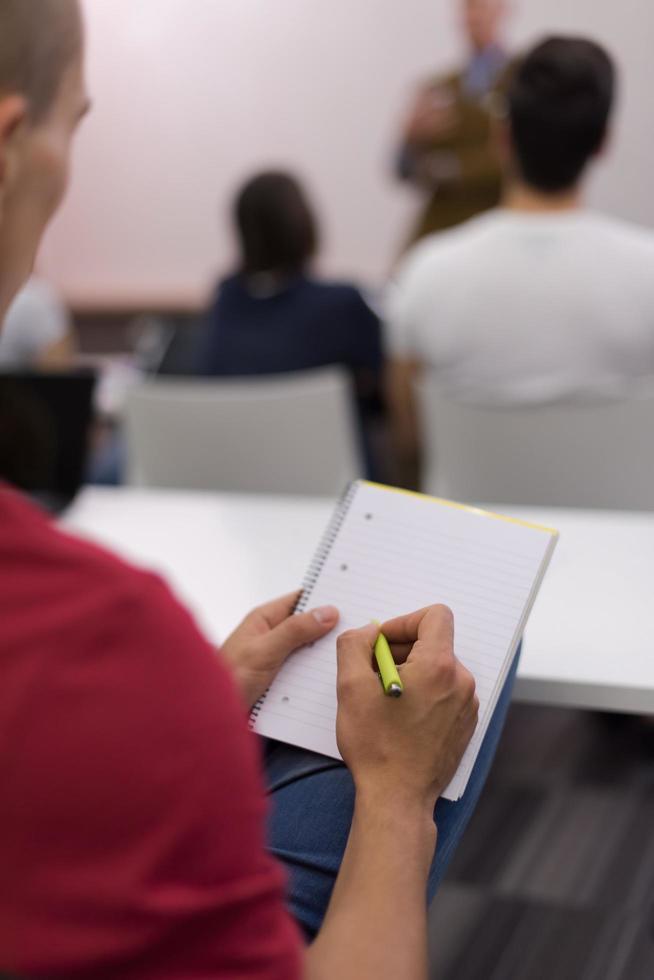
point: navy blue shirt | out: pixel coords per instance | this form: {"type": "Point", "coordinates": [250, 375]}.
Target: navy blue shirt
{"type": "Point", "coordinates": [306, 324]}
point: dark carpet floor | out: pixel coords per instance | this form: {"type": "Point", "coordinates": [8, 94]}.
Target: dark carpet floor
{"type": "Point", "coordinates": [554, 879]}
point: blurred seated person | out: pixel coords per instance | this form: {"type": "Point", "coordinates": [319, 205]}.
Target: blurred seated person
{"type": "Point", "coordinates": [540, 299]}
{"type": "Point", "coordinates": [272, 315]}
{"type": "Point", "coordinates": [37, 331]}
{"type": "Point", "coordinates": [447, 151]}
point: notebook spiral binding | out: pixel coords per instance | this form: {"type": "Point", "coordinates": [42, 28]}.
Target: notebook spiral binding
{"type": "Point", "coordinates": [313, 573]}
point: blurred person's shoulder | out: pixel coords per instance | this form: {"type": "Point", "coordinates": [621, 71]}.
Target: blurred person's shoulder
{"type": "Point", "coordinates": [32, 540]}
{"type": "Point", "coordinates": [451, 76]}
{"type": "Point", "coordinates": [37, 318]}
{"type": "Point", "coordinates": [623, 251]}
{"type": "Point", "coordinates": [66, 602]}
{"type": "Point", "coordinates": [54, 584]}
{"type": "Point", "coordinates": [335, 289]}
{"type": "Point", "coordinates": [339, 294]}
{"type": "Point", "coordinates": [448, 249]}
{"type": "Point", "coordinates": [123, 730]}
{"type": "Point", "coordinates": [621, 234]}
{"type": "Point", "coordinates": [231, 282]}
{"type": "Point", "coordinates": [38, 304]}
{"type": "Point", "coordinates": [229, 287]}
{"type": "Point", "coordinates": [38, 292]}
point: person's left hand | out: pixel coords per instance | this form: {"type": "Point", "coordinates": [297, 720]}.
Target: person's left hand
{"type": "Point", "coordinates": [267, 636]}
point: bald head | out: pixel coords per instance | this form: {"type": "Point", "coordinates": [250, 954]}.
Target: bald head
{"type": "Point", "coordinates": [42, 99]}
{"type": "Point", "coordinates": [483, 21]}
{"type": "Point", "coordinates": [39, 39]}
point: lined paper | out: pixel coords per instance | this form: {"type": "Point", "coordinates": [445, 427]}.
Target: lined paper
{"type": "Point", "coordinates": [390, 553]}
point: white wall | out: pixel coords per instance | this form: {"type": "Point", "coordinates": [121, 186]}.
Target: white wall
{"type": "Point", "coordinates": [192, 95]}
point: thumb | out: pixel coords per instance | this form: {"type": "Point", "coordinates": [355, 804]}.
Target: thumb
{"type": "Point", "coordinates": [297, 630]}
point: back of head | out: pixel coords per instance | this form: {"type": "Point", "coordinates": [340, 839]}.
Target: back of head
{"type": "Point", "coordinates": [559, 99]}
{"type": "Point", "coordinates": [38, 40]}
{"type": "Point", "coordinates": [275, 224]}
{"type": "Point", "coordinates": [42, 99]}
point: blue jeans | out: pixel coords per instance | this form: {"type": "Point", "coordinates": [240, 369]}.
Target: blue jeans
{"type": "Point", "coordinates": [311, 805]}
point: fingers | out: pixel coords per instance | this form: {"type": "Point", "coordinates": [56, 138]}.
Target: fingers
{"type": "Point", "coordinates": [431, 629]}
{"type": "Point", "coordinates": [404, 629]}
{"type": "Point", "coordinates": [277, 610]}
{"type": "Point", "coordinates": [296, 631]}
{"type": "Point", "coordinates": [400, 651]}
{"type": "Point", "coordinates": [470, 717]}
{"type": "Point", "coordinates": [465, 694]}
{"type": "Point", "coordinates": [355, 648]}
{"type": "Point", "coordinates": [431, 656]}
{"type": "Point", "coordinates": [432, 624]}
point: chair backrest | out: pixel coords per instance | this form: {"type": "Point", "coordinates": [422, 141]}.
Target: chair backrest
{"type": "Point", "coordinates": [188, 338]}
{"type": "Point", "coordinates": [291, 433]}
{"type": "Point", "coordinates": [568, 454]}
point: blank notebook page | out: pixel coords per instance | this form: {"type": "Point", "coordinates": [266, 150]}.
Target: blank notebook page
{"type": "Point", "coordinates": [386, 553]}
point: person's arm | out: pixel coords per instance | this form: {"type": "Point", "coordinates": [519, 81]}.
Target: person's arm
{"type": "Point", "coordinates": [457, 148]}
{"type": "Point", "coordinates": [376, 923]}
{"type": "Point", "coordinates": [427, 167]}
{"type": "Point", "coordinates": [478, 164]}
{"type": "Point", "coordinates": [402, 754]}
{"type": "Point", "coordinates": [431, 126]}
{"type": "Point", "coordinates": [433, 117]}
{"type": "Point", "coordinates": [406, 438]}
{"type": "Point", "coordinates": [362, 339]}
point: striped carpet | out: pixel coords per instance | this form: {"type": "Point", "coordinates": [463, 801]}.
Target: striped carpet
{"type": "Point", "coordinates": [554, 879]}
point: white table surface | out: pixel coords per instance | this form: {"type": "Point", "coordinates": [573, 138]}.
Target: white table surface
{"type": "Point", "coordinates": [589, 641]}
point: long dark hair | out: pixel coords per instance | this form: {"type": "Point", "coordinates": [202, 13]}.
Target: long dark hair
{"type": "Point", "coordinates": [275, 224]}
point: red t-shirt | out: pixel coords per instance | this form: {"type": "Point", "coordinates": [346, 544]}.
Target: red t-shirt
{"type": "Point", "coordinates": [131, 806]}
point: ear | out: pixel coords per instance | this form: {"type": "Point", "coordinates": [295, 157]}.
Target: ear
{"type": "Point", "coordinates": [13, 114]}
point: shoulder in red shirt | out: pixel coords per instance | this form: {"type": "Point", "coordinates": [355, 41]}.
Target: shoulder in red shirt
{"type": "Point", "coordinates": [132, 814]}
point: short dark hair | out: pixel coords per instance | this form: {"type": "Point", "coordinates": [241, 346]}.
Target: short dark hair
{"type": "Point", "coordinates": [559, 101]}
{"type": "Point", "coordinates": [276, 226]}
{"type": "Point", "coordinates": [38, 41]}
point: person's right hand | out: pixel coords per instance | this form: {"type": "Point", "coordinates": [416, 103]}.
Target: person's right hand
{"type": "Point", "coordinates": [432, 117]}
{"type": "Point", "coordinates": [409, 746]}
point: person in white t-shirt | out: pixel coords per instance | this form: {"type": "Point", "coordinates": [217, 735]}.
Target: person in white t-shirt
{"type": "Point", "coordinates": [37, 331]}
{"type": "Point", "coordinates": [539, 299]}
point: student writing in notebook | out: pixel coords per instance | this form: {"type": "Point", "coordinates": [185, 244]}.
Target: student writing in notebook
{"type": "Point", "coordinates": [132, 838]}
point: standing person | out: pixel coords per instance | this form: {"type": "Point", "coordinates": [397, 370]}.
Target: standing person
{"type": "Point", "coordinates": [132, 809]}
{"type": "Point", "coordinates": [447, 150]}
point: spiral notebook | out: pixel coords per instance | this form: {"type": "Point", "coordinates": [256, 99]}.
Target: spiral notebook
{"type": "Point", "coordinates": [387, 552]}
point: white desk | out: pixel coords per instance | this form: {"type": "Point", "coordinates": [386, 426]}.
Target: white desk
{"type": "Point", "coordinates": [589, 642]}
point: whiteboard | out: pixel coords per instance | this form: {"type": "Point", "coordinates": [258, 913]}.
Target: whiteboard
{"type": "Point", "coordinates": [191, 96]}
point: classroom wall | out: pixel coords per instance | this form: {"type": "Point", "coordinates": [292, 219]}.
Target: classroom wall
{"type": "Point", "coordinates": [192, 95]}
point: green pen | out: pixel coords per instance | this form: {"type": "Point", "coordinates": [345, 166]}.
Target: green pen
{"type": "Point", "coordinates": [388, 673]}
